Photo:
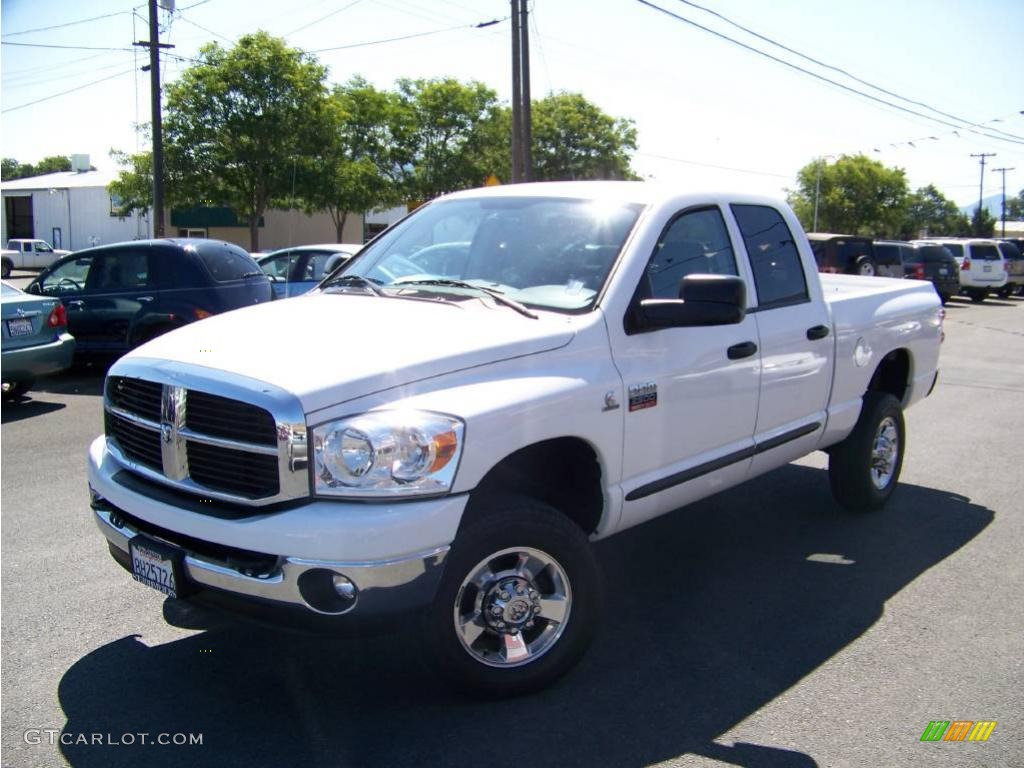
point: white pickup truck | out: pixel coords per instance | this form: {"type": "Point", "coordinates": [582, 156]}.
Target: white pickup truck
{"type": "Point", "coordinates": [442, 428]}
{"type": "Point", "coordinates": [22, 253]}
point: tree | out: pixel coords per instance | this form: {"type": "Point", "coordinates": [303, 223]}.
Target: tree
{"type": "Point", "coordinates": [445, 135]}
{"type": "Point", "coordinates": [133, 186]}
{"type": "Point", "coordinates": [12, 169]}
{"type": "Point", "coordinates": [983, 223]}
{"type": "Point", "coordinates": [239, 122]}
{"type": "Point", "coordinates": [574, 139]}
{"type": "Point", "coordinates": [1015, 207]}
{"type": "Point", "coordinates": [930, 213]}
{"type": "Point", "coordinates": [856, 196]}
{"type": "Point", "coordinates": [356, 168]}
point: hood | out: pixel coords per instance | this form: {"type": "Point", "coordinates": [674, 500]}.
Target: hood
{"type": "Point", "coordinates": [330, 348]}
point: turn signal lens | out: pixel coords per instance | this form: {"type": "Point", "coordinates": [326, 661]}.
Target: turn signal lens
{"type": "Point", "coordinates": [202, 313]}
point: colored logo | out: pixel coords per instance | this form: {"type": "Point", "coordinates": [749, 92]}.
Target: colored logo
{"type": "Point", "coordinates": [958, 730]}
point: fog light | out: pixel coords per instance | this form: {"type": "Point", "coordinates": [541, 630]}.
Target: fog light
{"type": "Point", "coordinates": [344, 587]}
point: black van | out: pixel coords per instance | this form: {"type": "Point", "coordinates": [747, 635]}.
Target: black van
{"type": "Point", "coordinates": [119, 296]}
{"type": "Point", "coordinates": [844, 254]}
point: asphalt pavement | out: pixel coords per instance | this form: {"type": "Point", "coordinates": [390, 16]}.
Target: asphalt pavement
{"type": "Point", "coordinates": [762, 627]}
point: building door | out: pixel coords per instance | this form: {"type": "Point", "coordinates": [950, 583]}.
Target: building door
{"type": "Point", "coordinates": [18, 210]}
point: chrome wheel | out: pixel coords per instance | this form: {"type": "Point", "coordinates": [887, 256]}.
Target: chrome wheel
{"type": "Point", "coordinates": [867, 268]}
{"type": "Point", "coordinates": [884, 453]}
{"type": "Point", "coordinates": [512, 607]}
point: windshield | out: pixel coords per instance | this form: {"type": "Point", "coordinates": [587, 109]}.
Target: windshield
{"type": "Point", "coordinates": [548, 253]}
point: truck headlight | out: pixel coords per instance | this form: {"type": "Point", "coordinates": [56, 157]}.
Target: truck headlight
{"type": "Point", "coordinates": [387, 454]}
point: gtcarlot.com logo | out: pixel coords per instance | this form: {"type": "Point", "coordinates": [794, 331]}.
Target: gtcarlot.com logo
{"type": "Point", "coordinates": [958, 730]}
{"type": "Point", "coordinates": [54, 736]}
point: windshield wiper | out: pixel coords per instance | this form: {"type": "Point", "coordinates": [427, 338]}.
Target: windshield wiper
{"type": "Point", "coordinates": [355, 281]}
{"type": "Point", "coordinates": [494, 293]}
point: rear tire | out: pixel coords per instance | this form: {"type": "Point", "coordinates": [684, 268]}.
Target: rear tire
{"type": "Point", "coordinates": [866, 267]}
{"type": "Point", "coordinates": [1006, 291]}
{"type": "Point", "coordinates": [863, 469]}
{"type": "Point", "coordinates": [519, 600]}
{"type": "Point", "coordinates": [978, 296]}
{"type": "Point", "coordinates": [6, 267]}
{"type": "Point", "coordinates": [14, 390]}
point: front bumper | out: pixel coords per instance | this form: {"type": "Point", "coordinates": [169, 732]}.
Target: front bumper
{"type": "Point", "coordinates": [31, 362]}
{"type": "Point", "coordinates": [287, 558]}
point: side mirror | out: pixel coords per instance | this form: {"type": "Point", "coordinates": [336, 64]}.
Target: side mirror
{"type": "Point", "coordinates": [703, 300]}
{"type": "Point", "coordinates": [33, 288]}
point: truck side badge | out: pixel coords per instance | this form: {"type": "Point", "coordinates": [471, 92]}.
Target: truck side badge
{"type": "Point", "coordinates": [611, 402]}
{"type": "Point", "coordinates": [643, 396]}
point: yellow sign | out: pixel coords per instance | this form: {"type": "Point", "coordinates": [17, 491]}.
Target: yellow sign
{"type": "Point", "coordinates": [492, 181]}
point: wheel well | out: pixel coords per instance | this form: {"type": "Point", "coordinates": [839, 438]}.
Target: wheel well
{"type": "Point", "coordinates": [563, 472]}
{"type": "Point", "coordinates": [892, 374]}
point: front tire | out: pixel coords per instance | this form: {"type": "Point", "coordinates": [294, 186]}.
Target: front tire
{"type": "Point", "coordinates": [978, 296]}
{"type": "Point", "coordinates": [15, 390]}
{"type": "Point", "coordinates": [519, 600]}
{"type": "Point", "coordinates": [866, 267]}
{"type": "Point", "coordinates": [6, 267]}
{"type": "Point", "coordinates": [863, 469]}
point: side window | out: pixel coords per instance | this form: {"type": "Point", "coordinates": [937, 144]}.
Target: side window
{"type": "Point", "coordinates": [314, 266]}
{"type": "Point", "coordinates": [778, 272]}
{"type": "Point", "coordinates": [68, 278]}
{"type": "Point", "coordinates": [695, 243]}
{"type": "Point", "coordinates": [42, 248]}
{"type": "Point", "coordinates": [121, 270]}
{"type": "Point", "coordinates": [278, 267]}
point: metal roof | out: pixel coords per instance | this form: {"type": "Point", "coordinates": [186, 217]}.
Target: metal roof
{"type": "Point", "coordinates": [60, 180]}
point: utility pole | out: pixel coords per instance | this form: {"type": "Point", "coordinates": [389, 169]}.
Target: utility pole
{"type": "Point", "coordinates": [522, 118]}
{"type": "Point", "coordinates": [1003, 171]}
{"type": "Point", "coordinates": [154, 46]}
{"type": "Point", "coordinates": [981, 185]}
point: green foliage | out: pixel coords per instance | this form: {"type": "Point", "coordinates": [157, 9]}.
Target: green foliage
{"type": "Point", "coordinates": [445, 135]}
{"type": "Point", "coordinates": [574, 139]}
{"type": "Point", "coordinates": [134, 183]}
{"type": "Point", "coordinates": [355, 169]}
{"type": "Point", "coordinates": [929, 213]}
{"type": "Point", "coordinates": [983, 224]}
{"type": "Point", "coordinates": [857, 196]}
{"type": "Point", "coordinates": [12, 169]}
{"type": "Point", "coordinates": [239, 123]}
{"type": "Point", "coordinates": [1015, 207]}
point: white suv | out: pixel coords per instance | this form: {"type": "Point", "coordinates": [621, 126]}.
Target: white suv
{"type": "Point", "coordinates": [982, 266]}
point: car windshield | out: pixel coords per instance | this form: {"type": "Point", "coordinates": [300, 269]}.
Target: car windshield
{"type": "Point", "coordinates": [547, 253]}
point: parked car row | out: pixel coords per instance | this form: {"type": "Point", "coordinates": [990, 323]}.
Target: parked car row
{"type": "Point", "coordinates": [975, 267]}
{"type": "Point", "coordinates": [294, 271]}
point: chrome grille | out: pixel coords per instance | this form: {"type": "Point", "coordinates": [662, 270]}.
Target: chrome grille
{"type": "Point", "coordinates": [139, 443]}
{"type": "Point", "coordinates": [207, 444]}
{"type": "Point", "coordinates": [230, 419]}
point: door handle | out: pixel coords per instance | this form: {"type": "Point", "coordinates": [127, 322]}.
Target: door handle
{"type": "Point", "coordinates": [75, 303]}
{"type": "Point", "coordinates": [144, 298]}
{"type": "Point", "coordinates": [739, 351]}
{"type": "Point", "coordinates": [817, 332]}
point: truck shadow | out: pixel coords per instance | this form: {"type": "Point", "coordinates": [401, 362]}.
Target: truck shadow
{"type": "Point", "coordinates": [712, 612]}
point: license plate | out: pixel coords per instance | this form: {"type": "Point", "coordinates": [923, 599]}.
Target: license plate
{"type": "Point", "coordinates": [156, 565]}
{"type": "Point", "coordinates": [943, 271]}
{"type": "Point", "coordinates": [987, 268]}
{"type": "Point", "coordinates": [20, 327]}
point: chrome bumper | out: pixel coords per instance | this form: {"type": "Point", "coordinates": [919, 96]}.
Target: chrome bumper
{"type": "Point", "coordinates": [380, 587]}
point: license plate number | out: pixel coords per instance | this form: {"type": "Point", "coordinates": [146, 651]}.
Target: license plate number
{"type": "Point", "coordinates": [155, 565]}
{"type": "Point", "coordinates": [987, 268]}
{"type": "Point", "coordinates": [20, 327]}
{"type": "Point", "coordinates": [943, 271]}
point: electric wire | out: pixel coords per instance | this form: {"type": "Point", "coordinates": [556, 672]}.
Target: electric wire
{"type": "Point", "coordinates": [66, 24]}
{"type": "Point", "coordinates": [817, 76]}
{"type": "Point", "coordinates": [844, 72]}
{"type": "Point", "coordinates": [323, 18]}
{"type": "Point", "coordinates": [70, 90]}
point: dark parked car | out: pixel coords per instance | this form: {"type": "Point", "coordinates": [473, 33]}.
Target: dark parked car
{"type": "Point", "coordinates": [119, 296]}
{"type": "Point", "coordinates": [890, 257]}
{"type": "Point", "coordinates": [36, 341]}
{"type": "Point", "coordinates": [297, 270]}
{"type": "Point", "coordinates": [843, 254]}
{"type": "Point", "coordinates": [1013, 251]}
{"type": "Point", "coordinates": [935, 263]}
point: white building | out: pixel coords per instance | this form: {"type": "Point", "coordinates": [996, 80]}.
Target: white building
{"type": "Point", "coordinates": [69, 209]}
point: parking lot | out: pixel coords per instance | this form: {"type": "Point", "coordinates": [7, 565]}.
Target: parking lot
{"type": "Point", "coordinates": [762, 627]}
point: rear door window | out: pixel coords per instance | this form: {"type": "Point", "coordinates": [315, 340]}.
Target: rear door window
{"type": "Point", "coordinates": [778, 271]}
{"type": "Point", "coordinates": [225, 263]}
{"type": "Point", "coordinates": [121, 270]}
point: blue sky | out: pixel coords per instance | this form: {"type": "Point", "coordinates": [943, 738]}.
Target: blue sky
{"type": "Point", "coordinates": [708, 112]}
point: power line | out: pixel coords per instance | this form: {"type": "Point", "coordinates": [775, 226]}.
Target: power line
{"type": "Point", "coordinates": [323, 18]}
{"type": "Point", "coordinates": [815, 75]}
{"type": "Point", "coordinates": [70, 90]}
{"type": "Point", "coordinates": [409, 37]}
{"type": "Point", "coordinates": [34, 83]}
{"type": "Point", "coordinates": [208, 31]}
{"type": "Point", "coordinates": [842, 71]}
{"type": "Point", "coordinates": [66, 47]}
{"type": "Point", "coordinates": [66, 24]}
{"type": "Point", "coordinates": [716, 167]}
